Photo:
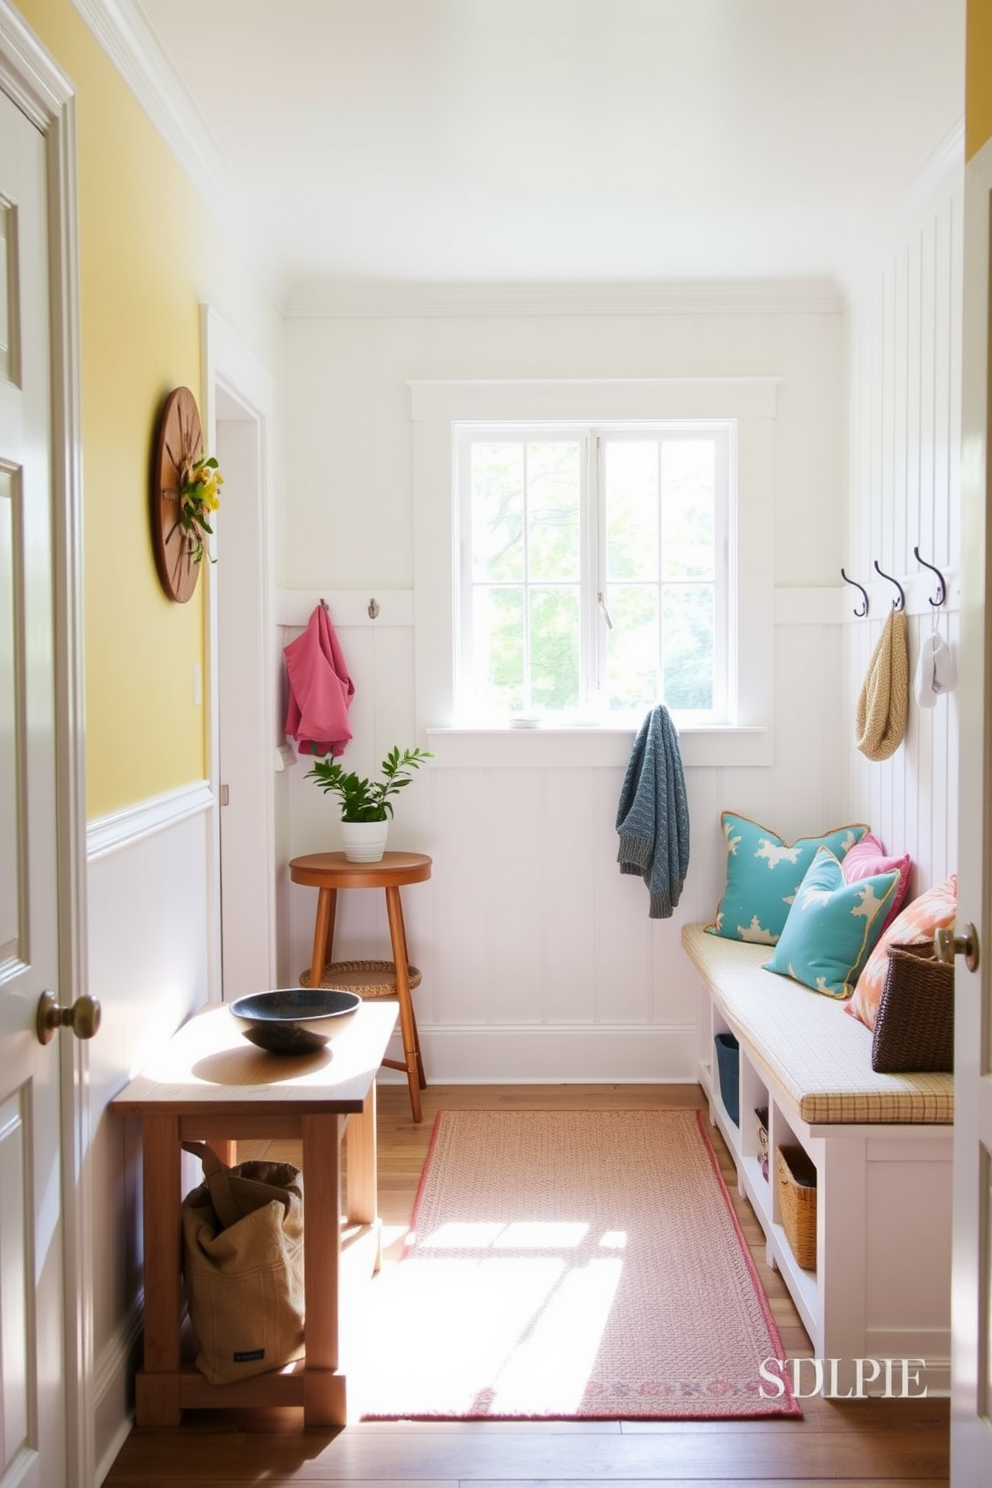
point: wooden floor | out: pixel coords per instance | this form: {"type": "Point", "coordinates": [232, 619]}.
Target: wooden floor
{"type": "Point", "coordinates": [895, 1443]}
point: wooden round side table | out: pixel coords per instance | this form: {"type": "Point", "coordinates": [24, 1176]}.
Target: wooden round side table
{"type": "Point", "coordinates": [328, 872]}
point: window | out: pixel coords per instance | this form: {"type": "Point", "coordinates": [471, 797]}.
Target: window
{"type": "Point", "coordinates": [740, 410]}
{"type": "Point", "coordinates": [594, 570]}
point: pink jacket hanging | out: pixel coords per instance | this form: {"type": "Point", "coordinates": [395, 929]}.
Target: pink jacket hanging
{"type": "Point", "coordinates": [320, 689]}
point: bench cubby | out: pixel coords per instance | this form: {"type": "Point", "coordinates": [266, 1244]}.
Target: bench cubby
{"type": "Point", "coordinates": [881, 1146]}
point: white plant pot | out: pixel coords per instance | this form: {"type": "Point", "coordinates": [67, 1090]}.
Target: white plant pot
{"type": "Point", "coordinates": [364, 842]}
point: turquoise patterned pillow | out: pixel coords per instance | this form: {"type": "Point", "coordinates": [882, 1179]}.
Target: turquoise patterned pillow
{"type": "Point", "coordinates": [763, 874]}
{"type": "Point", "coordinates": [832, 927]}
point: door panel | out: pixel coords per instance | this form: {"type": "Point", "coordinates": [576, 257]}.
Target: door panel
{"type": "Point", "coordinates": [32, 1391]}
{"type": "Point", "coordinates": [971, 1429]}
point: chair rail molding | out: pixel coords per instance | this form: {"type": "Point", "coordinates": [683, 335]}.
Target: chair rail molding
{"type": "Point", "coordinates": [122, 829]}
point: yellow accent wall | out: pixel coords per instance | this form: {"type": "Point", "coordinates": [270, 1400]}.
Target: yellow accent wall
{"type": "Point", "coordinates": [150, 252]}
{"type": "Point", "coordinates": [978, 77]}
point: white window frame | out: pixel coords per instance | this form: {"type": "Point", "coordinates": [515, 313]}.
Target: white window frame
{"type": "Point", "coordinates": [593, 581]}
{"type": "Point", "coordinates": [437, 407]}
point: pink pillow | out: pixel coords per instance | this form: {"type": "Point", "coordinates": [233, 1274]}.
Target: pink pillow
{"type": "Point", "coordinates": [932, 911]}
{"type": "Point", "coordinates": [868, 857]}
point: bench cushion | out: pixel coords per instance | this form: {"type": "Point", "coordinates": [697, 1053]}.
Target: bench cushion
{"type": "Point", "coordinates": [821, 1058]}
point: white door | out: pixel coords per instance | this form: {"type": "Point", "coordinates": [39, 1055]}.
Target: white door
{"type": "Point", "coordinates": [971, 1430]}
{"type": "Point", "coordinates": [32, 1392]}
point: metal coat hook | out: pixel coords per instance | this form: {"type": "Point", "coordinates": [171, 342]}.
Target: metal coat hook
{"type": "Point", "coordinates": [897, 604]}
{"type": "Point", "coordinates": [941, 586]}
{"type": "Point", "coordinates": [861, 613]}
{"type": "Point", "coordinates": [373, 608]}
{"type": "Point", "coordinates": [324, 605]}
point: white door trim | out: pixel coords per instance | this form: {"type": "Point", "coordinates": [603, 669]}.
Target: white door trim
{"type": "Point", "coordinates": [230, 367]}
{"type": "Point", "coordinates": [971, 1290]}
{"type": "Point", "coordinates": [38, 86]}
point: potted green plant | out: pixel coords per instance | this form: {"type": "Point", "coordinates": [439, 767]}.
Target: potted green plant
{"type": "Point", "coordinates": [365, 804]}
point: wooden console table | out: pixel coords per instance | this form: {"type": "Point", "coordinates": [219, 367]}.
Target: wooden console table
{"type": "Point", "coordinates": [208, 1082]}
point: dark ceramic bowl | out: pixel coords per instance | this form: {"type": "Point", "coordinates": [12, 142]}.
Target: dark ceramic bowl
{"type": "Point", "coordinates": [294, 1020]}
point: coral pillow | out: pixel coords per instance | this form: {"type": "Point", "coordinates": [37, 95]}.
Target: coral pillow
{"type": "Point", "coordinates": [931, 912]}
{"type": "Point", "coordinates": [868, 858]}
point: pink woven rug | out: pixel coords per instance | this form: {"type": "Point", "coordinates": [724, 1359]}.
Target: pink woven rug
{"type": "Point", "coordinates": [570, 1265]}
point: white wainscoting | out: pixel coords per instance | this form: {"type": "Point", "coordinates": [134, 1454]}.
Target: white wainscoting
{"type": "Point", "coordinates": [539, 960]}
{"type": "Point", "coordinates": [147, 930]}
{"type": "Point", "coordinates": [904, 378]}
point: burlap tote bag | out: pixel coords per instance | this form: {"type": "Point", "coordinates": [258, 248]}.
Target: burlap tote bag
{"type": "Point", "coordinates": [243, 1266]}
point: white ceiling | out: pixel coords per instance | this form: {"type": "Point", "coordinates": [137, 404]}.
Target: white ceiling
{"type": "Point", "coordinates": [463, 142]}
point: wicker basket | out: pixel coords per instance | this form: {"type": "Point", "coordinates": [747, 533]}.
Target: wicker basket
{"type": "Point", "coordinates": [797, 1201]}
{"type": "Point", "coordinates": [914, 1024]}
{"type": "Point", "coordinates": [367, 978]}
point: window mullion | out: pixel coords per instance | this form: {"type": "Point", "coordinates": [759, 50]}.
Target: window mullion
{"type": "Point", "coordinates": [528, 672]}
{"type": "Point", "coordinates": [593, 573]}
{"type": "Point", "coordinates": [660, 576]}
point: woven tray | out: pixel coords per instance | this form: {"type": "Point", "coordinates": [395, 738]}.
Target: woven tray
{"type": "Point", "coordinates": [367, 978]}
{"type": "Point", "coordinates": [797, 1202]}
{"type": "Point", "coordinates": [914, 1024]}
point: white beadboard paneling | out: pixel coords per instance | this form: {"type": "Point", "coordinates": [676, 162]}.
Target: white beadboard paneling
{"type": "Point", "coordinates": [148, 944]}
{"type": "Point", "coordinates": [510, 873]}
{"type": "Point", "coordinates": [914, 381]}
{"type": "Point", "coordinates": [907, 359]}
{"type": "Point", "coordinates": [809, 780]}
{"type": "Point", "coordinates": [566, 1055]}
{"type": "Point", "coordinates": [539, 958]}
{"type": "Point", "coordinates": [346, 607]}
{"type": "Point", "coordinates": [463, 920]}
{"type": "Point", "coordinates": [623, 948]}
{"type": "Point", "coordinates": [673, 982]}
{"type": "Point", "coordinates": [707, 858]}
{"type": "Point", "coordinates": [125, 828]}
{"type": "Point", "coordinates": [955, 312]}
{"type": "Point", "coordinates": [570, 911]}
{"type": "Point", "coordinates": [900, 372]}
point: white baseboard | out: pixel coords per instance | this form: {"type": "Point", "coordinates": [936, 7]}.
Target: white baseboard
{"type": "Point", "coordinates": [112, 1378]}
{"type": "Point", "coordinates": [113, 1449]}
{"type": "Point", "coordinates": [607, 1054]}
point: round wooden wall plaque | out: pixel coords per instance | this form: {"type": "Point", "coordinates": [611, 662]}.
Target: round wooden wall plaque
{"type": "Point", "coordinates": [178, 443]}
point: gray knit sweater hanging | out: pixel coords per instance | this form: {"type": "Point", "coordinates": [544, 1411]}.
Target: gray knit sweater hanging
{"type": "Point", "coordinates": [653, 815]}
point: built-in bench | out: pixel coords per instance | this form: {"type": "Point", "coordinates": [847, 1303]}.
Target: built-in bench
{"type": "Point", "coordinates": [881, 1146]}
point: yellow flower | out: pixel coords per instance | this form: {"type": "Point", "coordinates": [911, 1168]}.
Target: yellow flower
{"type": "Point", "coordinates": [199, 497]}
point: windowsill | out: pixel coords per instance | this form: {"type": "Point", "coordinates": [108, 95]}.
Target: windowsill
{"type": "Point", "coordinates": [704, 746]}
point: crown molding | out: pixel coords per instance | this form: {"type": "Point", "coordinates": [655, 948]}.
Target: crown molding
{"type": "Point", "coordinates": [134, 51]}
{"type": "Point", "coordinates": [940, 174]}
{"type": "Point", "coordinates": [339, 300]}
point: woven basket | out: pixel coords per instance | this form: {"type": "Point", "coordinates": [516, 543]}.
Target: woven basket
{"type": "Point", "coordinates": [914, 1024]}
{"type": "Point", "coordinates": [797, 1201]}
{"type": "Point", "coordinates": [367, 978]}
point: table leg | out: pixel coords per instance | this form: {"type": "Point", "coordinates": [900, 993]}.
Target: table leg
{"type": "Point", "coordinates": [323, 1387]}
{"type": "Point", "coordinates": [157, 1388]}
{"type": "Point", "coordinates": [362, 1183]}
{"type": "Point", "coordinates": [408, 1022]}
{"type": "Point", "coordinates": [323, 934]}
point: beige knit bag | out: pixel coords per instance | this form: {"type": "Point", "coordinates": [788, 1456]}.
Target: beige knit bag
{"type": "Point", "coordinates": [243, 1266]}
{"type": "Point", "coordinates": [883, 707]}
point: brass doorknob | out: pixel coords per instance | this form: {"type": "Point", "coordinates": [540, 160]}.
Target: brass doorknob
{"type": "Point", "coordinates": [83, 1017]}
{"type": "Point", "coordinates": [947, 945]}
